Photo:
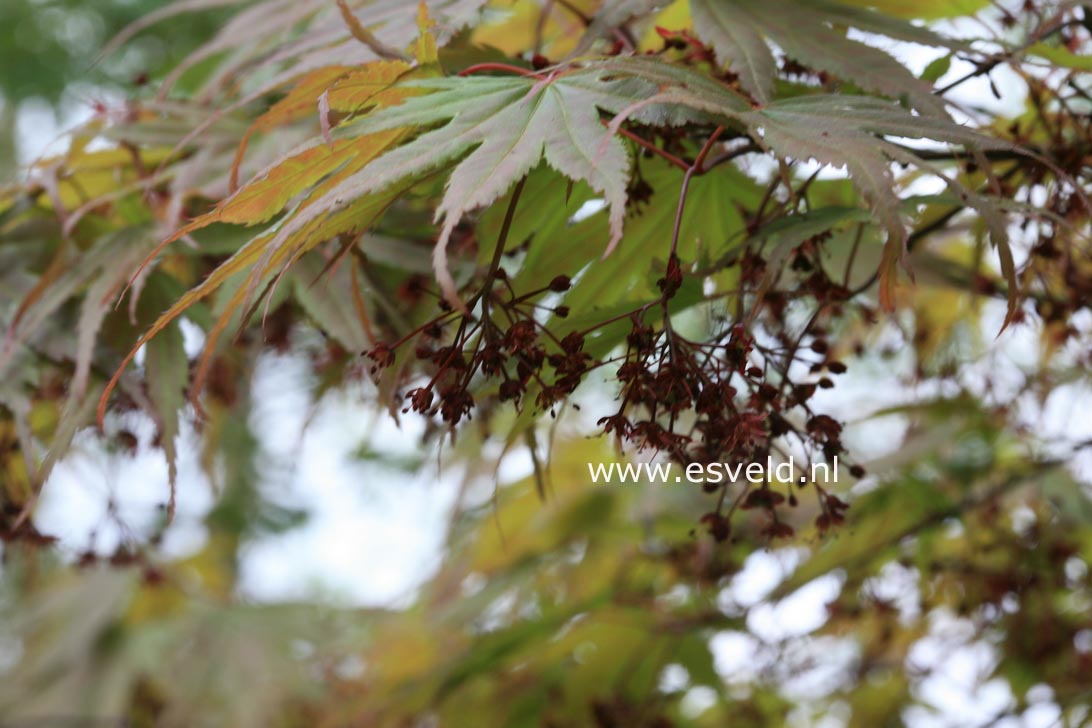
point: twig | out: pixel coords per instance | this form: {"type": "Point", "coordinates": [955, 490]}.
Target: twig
{"type": "Point", "coordinates": [506, 67]}
{"type": "Point", "coordinates": [644, 143]}
{"type": "Point", "coordinates": [498, 252]}
{"type": "Point", "coordinates": [691, 170]}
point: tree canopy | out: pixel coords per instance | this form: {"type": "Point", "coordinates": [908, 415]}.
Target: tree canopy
{"type": "Point", "coordinates": [837, 233]}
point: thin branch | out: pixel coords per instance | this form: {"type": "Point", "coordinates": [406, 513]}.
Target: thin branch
{"type": "Point", "coordinates": [644, 143]}
{"type": "Point", "coordinates": [853, 254]}
{"type": "Point", "coordinates": [693, 169]}
{"type": "Point", "coordinates": [498, 251]}
{"type": "Point", "coordinates": [505, 67]}
{"type": "Point", "coordinates": [985, 67]}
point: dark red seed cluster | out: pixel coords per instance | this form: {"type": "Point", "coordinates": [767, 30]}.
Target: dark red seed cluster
{"type": "Point", "coordinates": [509, 345]}
{"type": "Point", "coordinates": [726, 398]}
{"type": "Point", "coordinates": [730, 399]}
{"type": "Point", "coordinates": [682, 397]}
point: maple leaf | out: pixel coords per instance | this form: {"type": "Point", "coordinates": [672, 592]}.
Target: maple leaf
{"type": "Point", "coordinates": [493, 130]}
{"type": "Point", "coordinates": [849, 131]}
{"type": "Point", "coordinates": [497, 129]}
{"type": "Point", "coordinates": [612, 15]}
{"type": "Point", "coordinates": [307, 175]}
{"type": "Point", "coordinates": [739, 31]}
{"type": "Point", "coordinates": [839, 130]}
{"type": "Point", "coordinates": [320, 36]}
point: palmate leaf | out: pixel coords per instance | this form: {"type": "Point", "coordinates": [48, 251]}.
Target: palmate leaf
{"type": "Point", "coordinates": [846, 130]}
{"type": "Point", "coordinates": [840, 130]}
{"type": "Point", "coordinates": [344, 89]}
{"type": "Point", "coordinates": [738, 30]}
{"type": "Point", "coordinates": [285, 39]}
{"type": "Point", "coordinates": [489, 132]}
{"type": "Point", "coordinates": [809, 32]}
{"type": "Point", "coordinates": [262, 259]}
{"type": "Point", "coordinates": [265, 260]}
{"type": "Point", "coordinates": [307, 173]}
{"type": "Point", "coordinates": [497, 130]}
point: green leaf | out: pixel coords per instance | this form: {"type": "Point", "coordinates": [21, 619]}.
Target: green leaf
{"type": "Point", "coordinates": [1061, 56]}
{"type": "Point", "coordinates": [329, 299]}
{"type": "Point", "coordinates": [936, 69]}
{"type": "Point", "coordinates": [715, 201]}
{"type": "Point", "coordinates": [738, 31]}
{"type": "Point", "coordinates": [843, 130]}
{"type": "Point", "coordinates": [930, 9]}
{"type": "Point", "coordinates": [788, 232]}
{"type": "Point", "coordinates": [497, 130]}
{"type": "Point", "coordinates": [729, 29]}
{"type": "Point", "coordinates": [166, 373]}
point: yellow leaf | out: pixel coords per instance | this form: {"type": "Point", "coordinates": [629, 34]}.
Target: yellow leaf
{"type": "Point", "coordinates": [87, 176]}
{"type": "Point", "coordinates": [369, 86]}
{"type": "Point", "coordinates": [520, 27]}
{"type": "Point", "coordinates": [674, 17]}
{"type": "Point", "coordinates": [352, 218]}
{"type": "Point", "coordinates": [425, 48]}
{"type": "Point", "coordinates": [348, 89]}
{"type": "Point", "coordinates": [264, 198]}
{"type": "Point", "coordinates": [302, 100]}
{"type": "Point", "coordinates": [14, 478]}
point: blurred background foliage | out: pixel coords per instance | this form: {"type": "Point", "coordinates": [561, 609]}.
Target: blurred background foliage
{"type": "Point", "coordinates": [956, 594]}
{"type": "Point", "coordinates": [50, 53]}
